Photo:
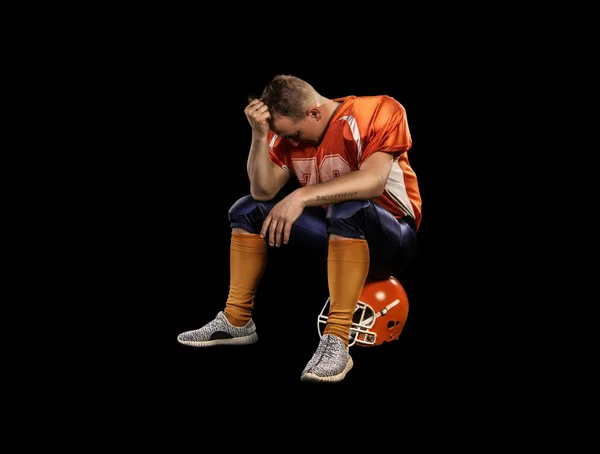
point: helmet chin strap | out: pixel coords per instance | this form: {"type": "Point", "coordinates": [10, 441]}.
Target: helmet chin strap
{"type": "Point", "coordinates": [383, 311]}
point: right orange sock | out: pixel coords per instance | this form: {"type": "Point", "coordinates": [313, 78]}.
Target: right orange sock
{"type": "Point", "coordinates": [247, 263]}
{"type": "Point", "coordinates": [347, 269]}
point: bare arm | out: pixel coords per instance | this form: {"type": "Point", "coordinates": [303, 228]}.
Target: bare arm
{"type": "Point", "coordinates": [266, 177]}
{"type": "Point", "coordinates": [367, 183]}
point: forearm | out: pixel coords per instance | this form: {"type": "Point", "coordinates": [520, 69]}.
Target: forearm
{"type": "Point", "coordinates": [353, 186]}
{"type": "Point", "coordinates": [259, 168]}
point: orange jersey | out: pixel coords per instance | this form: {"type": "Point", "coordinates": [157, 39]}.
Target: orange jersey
{"type": "Point", "coordinates": [360, 127]}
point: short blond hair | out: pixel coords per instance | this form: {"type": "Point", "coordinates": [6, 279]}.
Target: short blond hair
{"type": "Point", "coordinates": [288, 96]}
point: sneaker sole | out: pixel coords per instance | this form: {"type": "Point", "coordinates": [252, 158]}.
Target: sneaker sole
{"type": "Point", "coordinates": [310, 377]}
{"type": "Point", "coordinates": [247, 340]}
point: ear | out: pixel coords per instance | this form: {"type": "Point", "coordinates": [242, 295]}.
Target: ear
{"type": "Point", "coordinates": [314, 113]}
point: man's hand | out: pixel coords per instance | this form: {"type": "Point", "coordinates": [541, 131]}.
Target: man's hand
{"type": "Point", "coordinates": [279, 222]}
{"type": "Point", "coordinates": [257, 114]}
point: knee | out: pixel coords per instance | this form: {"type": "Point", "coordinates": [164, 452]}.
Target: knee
{"type": "Point", "coordinates": [242, 206]}
{"type": "Point", "coordinates": [346, 220]}
{"type": "Point", "coordinates": [345, 210]}
{"type": "Point", "coordinates": [248, 214]}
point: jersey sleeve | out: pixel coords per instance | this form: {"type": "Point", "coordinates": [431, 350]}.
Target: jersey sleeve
{"type": "Point", "coordinates": [388, 130]}
{"type": "Point", "coordinates": [278, 151]}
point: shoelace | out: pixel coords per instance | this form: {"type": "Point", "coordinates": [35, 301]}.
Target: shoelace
{"type": "Point", "coordinates": [328, 348]}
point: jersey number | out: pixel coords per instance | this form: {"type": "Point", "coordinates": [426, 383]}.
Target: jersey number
{"type": "Point", "coordinates": [332, 166]}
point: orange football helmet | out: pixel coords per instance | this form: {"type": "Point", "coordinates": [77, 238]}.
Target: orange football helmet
{"type": "Point", "coordinates": [380, 314]}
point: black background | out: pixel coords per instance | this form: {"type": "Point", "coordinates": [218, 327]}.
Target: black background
{"type": "Point", "coordinates": [177, 155]}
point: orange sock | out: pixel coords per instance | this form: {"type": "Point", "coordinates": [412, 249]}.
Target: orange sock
{"type": "Point", "coordinates": [247, 262]}
{"type": "Point", "coordinates": [347, 269]}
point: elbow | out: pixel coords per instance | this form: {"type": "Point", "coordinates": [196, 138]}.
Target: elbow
{"type": "Point", "coordinates": [260, 195]}
{"type": "Point", "coordinates": [373, 184]}
{"type": "Point", "coordinates": [261, 198]}
{"type": "Point", "coordinates": [378, 193]}
{"type": "Point", "coordinates": [379, 187]}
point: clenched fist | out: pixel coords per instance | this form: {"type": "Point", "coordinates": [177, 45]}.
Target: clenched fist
{"type": "Point", "coordinates": [258, 115]}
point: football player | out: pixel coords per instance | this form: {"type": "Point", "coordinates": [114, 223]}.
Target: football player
{"type": "Point", "coordinates": [358, 198]}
